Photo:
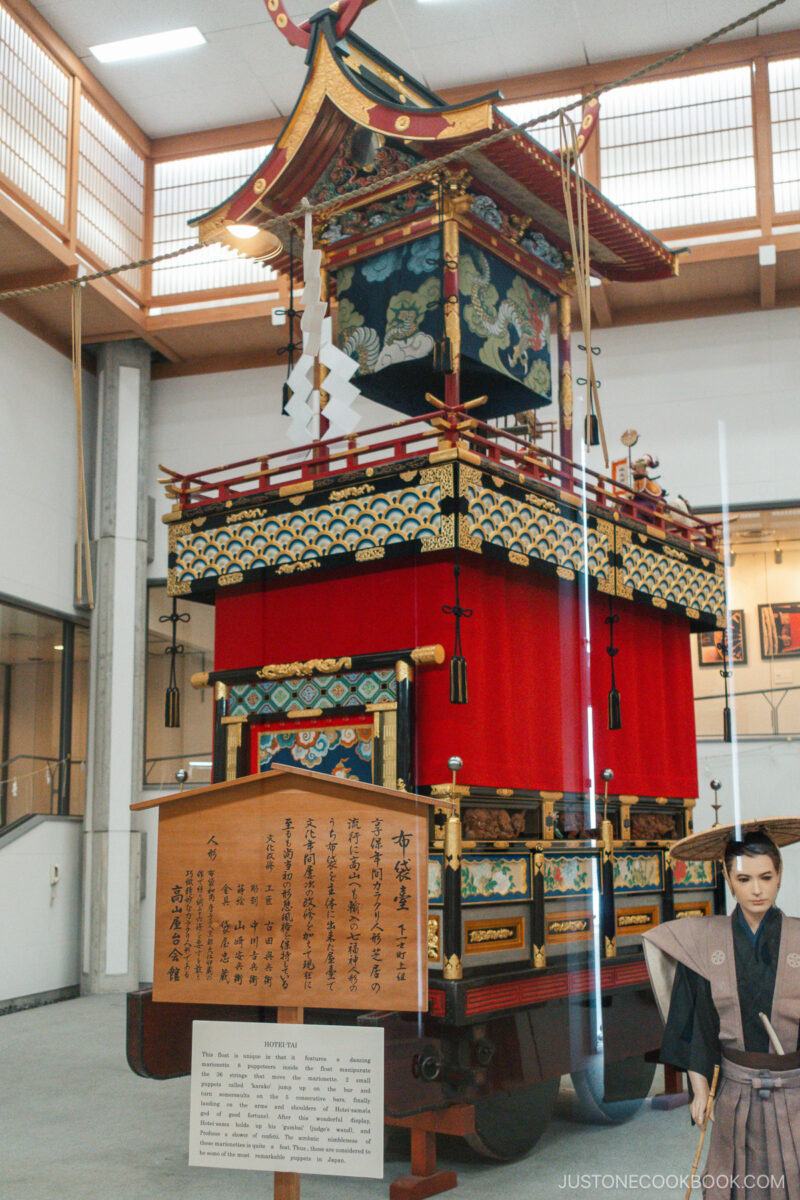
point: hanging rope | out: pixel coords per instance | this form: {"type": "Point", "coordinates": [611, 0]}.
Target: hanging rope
{"type": "Point", "coordinates": [83, 556]}
{"type": "Point", "coordinates": [426, 170]}
{"type": "Point", "coordinates": [580, 242]}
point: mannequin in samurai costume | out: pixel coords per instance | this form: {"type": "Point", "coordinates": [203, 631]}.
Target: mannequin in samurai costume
{"type": "Point", "coordinates": [712, 977]}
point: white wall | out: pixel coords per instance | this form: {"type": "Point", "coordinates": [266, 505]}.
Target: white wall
{"type": "Point", "coordinates": [40, 929]}
{"type": "Point", "coordinates": [204, 421]}
{"type": "Point", "coordinates": [675, 381]}
{"type": "Point", "coordinates": [767, 774]}
{"type": "Point", "coordinates": [38, 465]}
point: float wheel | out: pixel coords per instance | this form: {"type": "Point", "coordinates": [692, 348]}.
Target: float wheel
{"type": "Point", "coordinates": [509, 1124]}
{"type": "Point", "coordinates": [631, 1076]}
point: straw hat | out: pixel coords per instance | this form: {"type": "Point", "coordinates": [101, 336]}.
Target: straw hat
{"type": "Point", "coordinates": [710, 844]}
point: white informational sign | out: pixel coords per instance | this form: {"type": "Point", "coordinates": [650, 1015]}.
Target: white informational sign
{"type": "Point", "coordinates": [301, 1098]}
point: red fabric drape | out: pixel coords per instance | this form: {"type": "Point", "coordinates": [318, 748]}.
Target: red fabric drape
{"type": "Point", "coordinates": [530, 678]}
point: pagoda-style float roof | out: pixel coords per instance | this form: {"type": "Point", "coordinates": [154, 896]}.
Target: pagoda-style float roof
{"type": "Point", "coordinates": [351, 87]}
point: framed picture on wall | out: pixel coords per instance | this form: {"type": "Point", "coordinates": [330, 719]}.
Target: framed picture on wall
{"type": "Point", "coordinates": [709, 643]}
{"type": "Point", "coordinates": [779, 628]}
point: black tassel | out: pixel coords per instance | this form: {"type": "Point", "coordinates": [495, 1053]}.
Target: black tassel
{"type": "Point", "coordinates": [172, 708]}
{"type": "Point", "coordinates": [726, 724]}
{"type": "Point", "coordinates": [172, 699]}
{"type": "Point", "coordinates": [614, 710]}
{"type": "Point", "coordinates": [592, 430]}
{"type": "Point", "coordinates": [458, 664]}
{"type": "Point", "coordinates": [458, 679]}
{"type": "Point", "coordinates": [726, 673]}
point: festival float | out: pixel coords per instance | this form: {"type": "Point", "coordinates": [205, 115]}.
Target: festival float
{"type": "Point", "coordinates": [448, 605]}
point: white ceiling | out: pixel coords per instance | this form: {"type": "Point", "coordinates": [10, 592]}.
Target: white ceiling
{"type": "Point", "coordinates": [248, 72]}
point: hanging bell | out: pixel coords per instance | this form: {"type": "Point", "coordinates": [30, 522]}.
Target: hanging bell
{"type": "Point", "coordinates": [591, 430]}
{"type": "Point", "coordinates": [614, 710]}
{"type": "Point", "coordinates": [458, 679]}
{"type": "Point", "coordinates": [172, 708]}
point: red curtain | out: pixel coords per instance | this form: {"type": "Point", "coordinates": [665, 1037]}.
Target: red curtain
{"type": "Point", "coordinates": [533, 675]}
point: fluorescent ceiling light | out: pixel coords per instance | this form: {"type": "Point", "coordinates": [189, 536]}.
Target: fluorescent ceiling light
{"type": "Point", "coordinates": [149, 45]}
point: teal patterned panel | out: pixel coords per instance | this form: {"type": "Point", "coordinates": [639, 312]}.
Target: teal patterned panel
{"type": "Point", "coordinates": [487, 877]}
{"type": "Point", "coordinates": [353, 689]}
{"type": "Point", "coordinates": [638, 872]}
{"type": "Point", "coordinates": [671, 577]}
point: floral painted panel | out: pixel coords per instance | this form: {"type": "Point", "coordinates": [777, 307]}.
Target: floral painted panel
{"type": "Point", "coordinates": [344, 750]}
{"type": "Point", "coordinates": [638, 872]}
{"type": "Point", "coordinates": [495, 877]}
{"type": "Point", "coordinates": [692, 874]}
{"type": "Point", "coordinates": [435, 879]}
{"type": "Point", "coordinates": [567, 874]}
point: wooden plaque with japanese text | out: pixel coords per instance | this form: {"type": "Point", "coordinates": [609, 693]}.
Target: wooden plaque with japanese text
{"type": "Point", "coordinates": [292, 888]}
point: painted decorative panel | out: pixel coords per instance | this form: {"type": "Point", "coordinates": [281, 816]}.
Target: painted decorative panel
{"type": "Point", "coordinates": [569, 874]}
{"type": "Point", "coordinates": [435, 868]}
{"type": "Point", "coordinates": [391, 317]}
{"type": "Point", "coordinates": [344, 750]}
{"type": "Point", "coordinates": [353, 689]}
{"type": "Point", "coordinates": [692, 874]}
{"type": "Point", "coordinates": [638, 872]}
{"type": "Point", "coordinates": [495, 877]}
{"type": "Point", "coordinates": [505, 323]}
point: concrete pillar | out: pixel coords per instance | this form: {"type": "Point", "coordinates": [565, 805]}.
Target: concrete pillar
{"type": "Point", "coordinates": [110, 946]}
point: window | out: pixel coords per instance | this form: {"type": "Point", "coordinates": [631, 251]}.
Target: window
{"type": "Point", "coordinates": [44, 670]}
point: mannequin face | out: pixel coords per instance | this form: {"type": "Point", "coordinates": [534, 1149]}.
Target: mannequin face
{"type": "Point", "coordinates": [754, 882]}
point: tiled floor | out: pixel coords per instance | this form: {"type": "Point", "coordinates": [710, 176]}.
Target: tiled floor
{"type": "Point", "coordinates": [76, 1124]}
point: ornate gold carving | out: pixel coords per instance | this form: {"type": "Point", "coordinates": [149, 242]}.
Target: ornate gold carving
{"type": "Point", "coordinates": [227, 580]}
{"type": "Point", "coordinates": [403, 671]}
{"type": "Point", "coordinates": [565, 572]}
{"type": "Point", "coordinates": [304, 565]}
{"type": "Point", "coordinates": [428, 654]}
{"type": "Point", "coordinates": [433, 939]}
{"type": "Point", "coordinates": [221, 690]}
{"type": "Point", "coordinates": [402, 123]}
{"type": "Point", "coordinates": [565, 400]}
{"type": "Point", "coordinates": [452, 968]}
{"type": "Point", "coordinates": [497, 933]}
{"type": "Point", "coordinates": [299, 670]}
{"type": "Point", "coordinates": [305, 712]}
{"type": "Point", "coordinates": [521, 560]}
{"type": "Point", "coordinates": [249, 514]}
{"type": "Point", "coordinates": [539, 957]}
{"type": "Point", "coordinates": [345, 493]}
{"type": "Point", "coordinates": [370, 554]}
{"type": "Point", "coordinates": [505, 791]}
{"type": "Point", "coordinates": [611, 947]}
{"type": "Point", "coordinates": [259, 186]}
{"type": "Point", "coordinates": [408, 476]}
{"type": "Point", "coordinates": [296, 489]}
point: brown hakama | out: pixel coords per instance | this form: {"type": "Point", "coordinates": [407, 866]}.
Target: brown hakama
{"type": "Point", "coordinates": [755, 1136]}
